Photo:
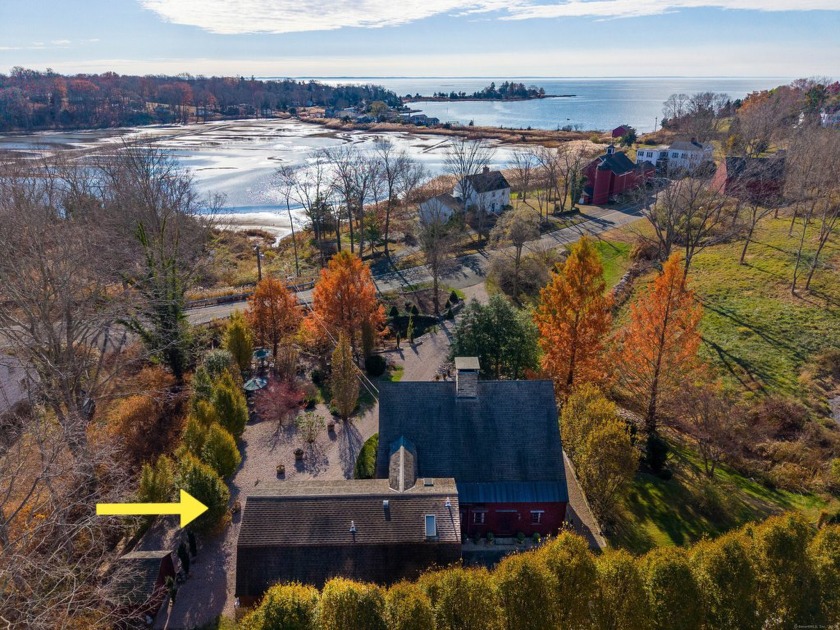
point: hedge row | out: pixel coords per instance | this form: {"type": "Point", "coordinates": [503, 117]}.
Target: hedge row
{"type": "Point", "coordinates": [780, 574]}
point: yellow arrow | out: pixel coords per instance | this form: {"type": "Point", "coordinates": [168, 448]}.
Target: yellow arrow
{"type": "Point", "coordinates": [189, 508]}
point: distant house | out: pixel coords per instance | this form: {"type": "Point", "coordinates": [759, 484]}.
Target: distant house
{"type": "Point", "coordinates": [140, 587]}
{"type": "Point", "coordinates": [620, 131]}
{"type": "Point", "coordinates": [440, 208]}
{"type": "Point", "coordinates": [829, 118]}
{"type": "Point", "coordinates": [690, 155]}
{"type": "Point", "coordinates": [612, 174]}
{"type": "Point", "coordinates": [373, 530]}
{"type": "Point", "coordinates": [419, 119]}
{"type": "Point", "coordinates": [499, 440]}
{"type": "Point", "coordinates": [488, 191]}
{"type": "Point", "coordinates": [752, 179]}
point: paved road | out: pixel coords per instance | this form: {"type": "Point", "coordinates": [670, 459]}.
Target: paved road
{"type": "Point", "coordinates": [471, 269]}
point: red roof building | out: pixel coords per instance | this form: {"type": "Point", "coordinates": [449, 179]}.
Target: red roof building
{"type": "Point", "coordinates": [620, 131]}
{"type": "Point", "coordinates": [612, 174]}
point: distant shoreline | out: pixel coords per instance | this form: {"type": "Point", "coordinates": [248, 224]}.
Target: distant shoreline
{"type": "Point", "coordinates": [447, 99]}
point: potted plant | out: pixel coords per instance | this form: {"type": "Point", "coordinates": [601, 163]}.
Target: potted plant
{"type": "Point", "coordinates": [331, 425]}
{"type": "Point", "coordinates": [281, 470]}
{"type": "Point", "coordinates": [536, 538]}
{"type": "Point", "coordinates": [237, 507]}
{"type": "Point", "coordinates": [298, 454]}
{"type": "Point", "coordinates": [520, 537]}
{"type": "Point", "coordinates": [490, 538]}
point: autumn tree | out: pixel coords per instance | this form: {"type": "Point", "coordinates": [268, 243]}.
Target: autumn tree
{"type": "Point", "coordinates": [673, 596]}
{"type": "Point", "coordinates": [620, 601]}
{"type": "Point", "coordinates": [515, 228]}
{"type": "Point", "coordinates": [585, 409]}
{"type": "Point", "coordinates": [573, 319]}
{"type": "Point", "coordinates": [344, 380]}
{"type": "Point", "coordinates": [344, 300]}
{"type": "Point", "coordinates": [660, 342]}
{"type": "Point", "coordinates": [272, 313]}
{"type": "Point", "coordinates": [239, 341]}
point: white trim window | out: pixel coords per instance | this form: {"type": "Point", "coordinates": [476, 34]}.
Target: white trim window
{"type": "Point", "coordinates": [537, 516]}
{"type": "Point", "coordinates": [479, 518]}
{"type": "Point", "coordinates": [431, 526]}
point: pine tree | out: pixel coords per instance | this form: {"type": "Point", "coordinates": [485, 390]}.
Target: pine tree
{"type": "Point", "coordinates": [239, 341]}
{"type": "Point", "coordinates": [344, 382]}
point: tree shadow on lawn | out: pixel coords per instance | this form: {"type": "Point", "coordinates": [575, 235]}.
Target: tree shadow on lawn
{"type": "Point", "coordinates": [738, 367]}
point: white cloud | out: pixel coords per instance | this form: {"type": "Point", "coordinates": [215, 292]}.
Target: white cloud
{"type": "Point", "coordinates": [286, 16]}
{"type": "Point", "coordinates": [60, 42]}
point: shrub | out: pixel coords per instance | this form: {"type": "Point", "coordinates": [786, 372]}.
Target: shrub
{"type": "Point", "coordinates": [824, 554]}
{"type": "Point", "coordinates": [834, 475]}
{"type": "Point", "coordinates": [620, 600]}
{"type": "Point", "coordinates": [157, 483]}
{"type": "Point", "coordinates": [779, 418]}
{"type": "Point", "coordinates": [347, 604]}
{"type": "Point", "coordinates": [656, 453]}
{"type": "Point", "coordinates": [230, 405]}
{"type": "Point", "coordinates": [239, 341]}
{"type": "Point", "coordinates": [219, 362]}
{"type": "Point", "coordinates": [527, 592]}
{"type": "Point", "coordinates": [463, 598]}
{"type": "Point", "coordinates": [394, 312]}
{"type": "Point", "coordinates": [786, 580]}
{"type": "Point", "coordinates": [285, 607]}
{"type": "Point", "coordinates": [202, 386]}
{"type": "Point", "coordinates": [365, 467]}
{"type": "Point", "coordinates": [375, 365]}
{"type": "Point", "coordinates": [568, 557]}
{"type": "Point", "coordinates": [453, 298]}
{"type": "Point", "coordinates": [194, 436]}
{"type": "Point", "coordinates": [202, 482]}
{"type": "Point", "coordinates": [131, 421]}
{"type": "Point", "coordinates": [220, 451]}
{"type": "Point", "coordinates": [205, 413]}
{"type": "Point", "coordinates": [309, 424]}
{"type": "Point", "coordinates": [318, 377]}
{"type": "Point", "coordinates": [726, 581]}
{"type": "Point", "coordinates": [310, 394]}
{"type": "Point", "coordinates": [414, 310]}
{"type": "Point", "coordinates": [407, 607]}
{"type": "Point", "coordinates": [672, 592]}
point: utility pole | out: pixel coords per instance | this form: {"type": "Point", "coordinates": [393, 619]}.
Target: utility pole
{"type": "Point", "coordinates": [259, 263]}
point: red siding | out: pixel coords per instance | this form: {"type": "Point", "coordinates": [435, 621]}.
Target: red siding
{"type": "Point", "coordinates": [508, 519]}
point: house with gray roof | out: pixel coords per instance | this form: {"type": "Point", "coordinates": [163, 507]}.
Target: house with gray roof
{"type": "Point", "coordinates": [499, 440]}
{"type": "Point", "coordinates": [371, 530]}
{"type": "Point", "coordinates": [487, 191]}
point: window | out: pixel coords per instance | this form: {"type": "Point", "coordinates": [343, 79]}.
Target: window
{"type": "Point", "coordinates": [650, 153]}
{"type": "Point", "coordinates": [536, 517]}
{"type": "Point", "coordinates": [431, 526]}
{"type": "Point", "coordinates": [479, 518]}
{"type": "Point", "coordinates": [675, 155]}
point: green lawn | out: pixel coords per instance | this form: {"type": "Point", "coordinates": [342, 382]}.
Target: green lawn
{"type": "Point", "coordinates": [615, 257]}
{"type": "Point", "coordinates": [754, 330]}
{"type": "Point", "coordinates": [687, 507]}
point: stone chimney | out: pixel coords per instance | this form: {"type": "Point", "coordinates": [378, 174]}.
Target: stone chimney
{"type": "Point", "coordinates": [486, 170]}
{"type": "Point", "coordinates": [466, 377]}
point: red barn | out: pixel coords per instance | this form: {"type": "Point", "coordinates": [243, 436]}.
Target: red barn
{"type": "Point", "coordinates": [620, 131]}
{"type": "Point", "coordinates": [140, 579]}
{"type": "Point", "coordinates": [611, 174]}
{"type": "Point", "coordinates": [499, 440]}
{"type": "Point", "coordinates": [759, 180]}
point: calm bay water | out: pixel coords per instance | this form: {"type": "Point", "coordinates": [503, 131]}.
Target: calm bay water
{"type": "Point", "coordinates": [597, 103]}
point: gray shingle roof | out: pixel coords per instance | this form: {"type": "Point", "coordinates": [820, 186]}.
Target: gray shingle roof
{"type": "Point", "coordinates": [685, 145]}
{"type": "Point", "coordinates": [509, 433]}
{"type": "Point", "coordinates": [485, 182]}
{"type": "Point", "coordinates": [319, 513]}
{"type": "Point", "coordinates": [618, 163]}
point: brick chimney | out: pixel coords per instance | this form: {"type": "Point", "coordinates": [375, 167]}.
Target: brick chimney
{"type": "Point", "coordinates": [486, 170]}
{"type": "Point", "coordinates": [466, 377]}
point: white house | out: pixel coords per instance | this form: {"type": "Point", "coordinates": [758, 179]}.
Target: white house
{"type": "Point", "coordinates": [488, 191]}
{"type": "Point", "coordinates": [440, 208]}
{"type": "Point", "coordinates": [830, 119]}
{"type": "Point", "coordinates": [651, 154]}
{"type": "Point", "coordinates": [689, 155]}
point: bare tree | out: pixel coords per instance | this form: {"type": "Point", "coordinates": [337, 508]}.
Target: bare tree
{"type": "Point", "coordinates": [515, 228]}
{"type": "Point", "coordinates": [310, 186]}
{"type": "Point", "coordinates": [436, 241]}
{"type": "Point", "coordinates": [572, 159]}
{"type": "Point", "coordinates": [524, 164]}
{"type": "Point", "coordinates": [466, 158]}
{"type": "Point", "coordinates": [688, 214]}
{"type": "Point", "coordinates": [285, 178]}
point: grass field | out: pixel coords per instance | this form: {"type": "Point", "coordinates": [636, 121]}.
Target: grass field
{"type": "Point", "coordinates": [754, 330]}
{"type": "Point", "coordinates": [689, 506]}
{"type": "Point", "coordinates": [615, 257]}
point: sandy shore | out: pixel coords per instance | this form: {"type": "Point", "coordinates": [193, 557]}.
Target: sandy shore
{"type": "Point", "coordinates": [270, 222]}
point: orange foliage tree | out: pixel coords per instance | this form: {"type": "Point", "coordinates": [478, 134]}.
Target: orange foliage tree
{"type": "Point", "coordinates": [272, 313]}
{"type": "Point", "coordinates": [344, 300]}
{"type": "Point", "coordinates": [660, 343]}
{"type": "Point", "coordinates": [574, 319]}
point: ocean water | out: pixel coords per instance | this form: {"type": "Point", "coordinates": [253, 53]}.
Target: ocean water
{"type": "Point", "coordinates": [599, 104]}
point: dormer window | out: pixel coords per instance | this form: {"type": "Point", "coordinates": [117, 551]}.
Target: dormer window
{"type": "Point", "coordinates": [431, 526]}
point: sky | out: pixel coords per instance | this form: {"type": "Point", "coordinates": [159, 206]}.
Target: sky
{"type": "Point", "coordinates": [379, 38]}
